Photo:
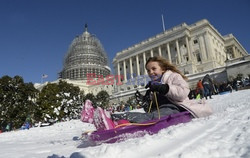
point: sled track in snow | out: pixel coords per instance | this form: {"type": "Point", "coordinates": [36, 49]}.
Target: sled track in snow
{"type": "Point", "coordinates": [210, 137]}
{"type": "Point", "coordinates": [205, 137]}
{"type": "Point", "coordinates": [223, 134]}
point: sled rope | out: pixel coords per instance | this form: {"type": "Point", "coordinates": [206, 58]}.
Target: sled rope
{"type": "Point", "coordinates": [150, 106]}
{"type": "Point", "coordinates": [136, 124]}
{"type": "Point", "coordinates": [157, 105]}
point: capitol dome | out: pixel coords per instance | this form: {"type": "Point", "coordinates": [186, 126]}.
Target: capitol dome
{"type": "Point", "coordinates": [86, 55]}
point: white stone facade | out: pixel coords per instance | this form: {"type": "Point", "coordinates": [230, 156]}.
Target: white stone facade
{"type": "Point", "coordinates": [194, 49]}
{"type": "Point", "coordinates": [197, 49]}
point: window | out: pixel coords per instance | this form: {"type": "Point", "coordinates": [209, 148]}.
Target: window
{"type": "Point", "coordinates": [195, 41]}
{"type": "Point", "coordinates": [198, 57]}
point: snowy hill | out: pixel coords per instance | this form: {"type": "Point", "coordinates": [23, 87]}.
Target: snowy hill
{"type": "Point", "coordinates": [226, 133]}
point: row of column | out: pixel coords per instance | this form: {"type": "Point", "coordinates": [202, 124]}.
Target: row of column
{"type": "Point", "coordinates": [179, 58]}
{"type": "Point", "coordinates": [205, 46]}
{"type": "Point", "coordinates": [237, 53]}
{"type": "Point", "coordinates": [82, 73]}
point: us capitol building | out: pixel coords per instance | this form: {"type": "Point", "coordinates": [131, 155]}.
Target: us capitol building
{"type": "Point", "coordinates": [197, 49]}
{"type": "Point", "coordinates": [86, 55]}
{"type": "Point", "coordinates": [86, 59]}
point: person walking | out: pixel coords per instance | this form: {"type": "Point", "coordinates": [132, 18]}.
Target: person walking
{"type": "Point", "coordinates": [208, 86]}
{"type": "Point", "coordinates": [200, 89]}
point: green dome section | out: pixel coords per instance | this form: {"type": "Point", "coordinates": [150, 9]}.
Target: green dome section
{"type": "Point", "coordinates": [86, 55]}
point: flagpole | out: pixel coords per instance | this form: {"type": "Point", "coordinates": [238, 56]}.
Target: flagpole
{"type": "Point", "coordinates": [163, 24]}
{"type": "Point", "coordinates": [42, 80]}
{"type": "Point", "coordinates": [43, 76]}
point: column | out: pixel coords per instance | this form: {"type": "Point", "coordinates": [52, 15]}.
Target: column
{"type": "Point", "coordinates": [208, 46]}
{"type": "Point", "coordinates": [159, 50]}
{"type": "Point", "coordinates": [169, 53]}
{"type": "Point", "coordinates": [118, 72]}
{"type": "Point", "coordinates": [178, 52]}
{"type": "Point", "coordinates": [151, 53]}
{"type": "Point", "coordinates": [191, 50]}
{"type": "Point", "coordinates": [145, 71]}
{"type": "Point", "coordinates": [78, 74]}
{"type": "Point", "coordinates": [144, 61]}
{"type": "Point", "coordinates": [202, 48]}
{"type": "Point", "coordinates": [234, 54]}
{"type": "Point", "coordinates": [188, 50]}
{"type": "Point", "coordinates": [131, 67]}
{"type": "Point", "coordinates": [124, 71]}
{"type": "Point", "coordinates": [137, 65]}
{"type": "Point", "coordinates": [118, 81]}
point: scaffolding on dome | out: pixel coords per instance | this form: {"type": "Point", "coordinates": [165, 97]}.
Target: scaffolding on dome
{"type": "Point", "coordinates": [85, 56]}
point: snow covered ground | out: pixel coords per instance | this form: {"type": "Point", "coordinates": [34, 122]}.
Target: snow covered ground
{"type": "Point", "coordinates": [226, 133]}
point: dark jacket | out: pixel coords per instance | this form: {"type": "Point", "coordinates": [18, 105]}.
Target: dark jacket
{"type": "Point", "coordinates": [207, 80]}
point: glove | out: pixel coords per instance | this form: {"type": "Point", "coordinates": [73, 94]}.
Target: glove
{"type": "Point", "coordinates": [138, 96]}
{"type": "Point", "coordinates": [158, 87]}
{"type": "Point", "coordinates": [143, 101]}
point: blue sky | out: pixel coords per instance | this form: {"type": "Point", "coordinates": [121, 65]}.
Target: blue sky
{"type": "Point", "coordinates": [35, 34]}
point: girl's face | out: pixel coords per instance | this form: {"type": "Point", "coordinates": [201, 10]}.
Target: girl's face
{"type": "Point", "coordinates": [154, 70]}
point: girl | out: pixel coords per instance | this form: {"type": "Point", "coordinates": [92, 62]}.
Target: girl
{"type": "Point", "coordinates": [171, 90]}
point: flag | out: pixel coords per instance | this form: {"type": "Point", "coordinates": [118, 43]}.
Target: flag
{"type": "Point", "coordinates": [44, 76]}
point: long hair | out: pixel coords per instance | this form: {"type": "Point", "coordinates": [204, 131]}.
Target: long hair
{"type": "Point", "coordinates": [165, 65]}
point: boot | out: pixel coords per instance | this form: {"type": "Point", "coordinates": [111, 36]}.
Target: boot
{"type": "Point", "coordinates": [87, 113]}
{"type": "Point", "coordinates": [102, 121]}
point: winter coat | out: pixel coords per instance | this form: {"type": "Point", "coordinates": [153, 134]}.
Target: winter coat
{"type": "Point", "coordinates": [199, 85]}
{"type": "Point", "coordinates": [178, 94]}
{"type": "Point", "coordinates": [207, 80]}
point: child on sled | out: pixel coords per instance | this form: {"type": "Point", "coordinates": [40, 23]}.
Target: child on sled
{"type": "Point", "coordinates": [168, 91]}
